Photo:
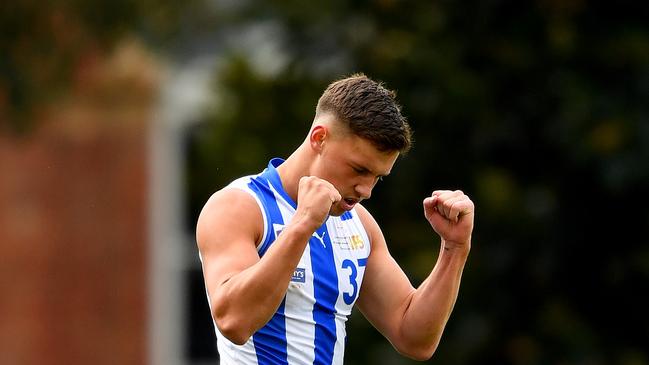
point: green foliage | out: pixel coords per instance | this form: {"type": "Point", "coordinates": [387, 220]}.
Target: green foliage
{"type": "Point", "coordinates": [44, 46]}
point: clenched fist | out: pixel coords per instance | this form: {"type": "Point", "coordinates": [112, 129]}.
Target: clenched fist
{"type": "Point", "coordinates": [315, 198]}
{"type": "Point", "coordinates": [450, 213]}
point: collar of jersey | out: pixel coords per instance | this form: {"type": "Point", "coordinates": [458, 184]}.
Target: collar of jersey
{"type": "Point", "coordinates": [273, 178]}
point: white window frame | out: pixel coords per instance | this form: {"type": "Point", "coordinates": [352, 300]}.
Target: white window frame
{"type": "Point", "coordinates": [171, 248]}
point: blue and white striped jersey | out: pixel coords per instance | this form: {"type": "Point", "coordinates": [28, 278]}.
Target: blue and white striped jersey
{"type": "Point", "coordinates": [309, 326]}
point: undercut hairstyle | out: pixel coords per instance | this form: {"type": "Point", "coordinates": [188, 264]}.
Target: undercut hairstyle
{"type": "Point", "coordinates": [369, 110]}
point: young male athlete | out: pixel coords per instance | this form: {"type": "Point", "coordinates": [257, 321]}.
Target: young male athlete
{"type": "Point", "coordinates": [288, 252]}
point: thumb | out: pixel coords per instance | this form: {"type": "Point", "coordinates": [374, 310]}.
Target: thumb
{"type": "Point", "coordinates": [430, 205]}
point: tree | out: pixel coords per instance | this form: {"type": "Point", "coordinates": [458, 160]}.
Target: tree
{"type": "Point", "coordinates": [45, 47]}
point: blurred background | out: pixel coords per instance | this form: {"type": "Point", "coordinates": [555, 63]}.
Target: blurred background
{"type": "Point", "coordinates": [118, 119]}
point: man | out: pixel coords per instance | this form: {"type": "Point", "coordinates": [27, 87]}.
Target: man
{"type": "Point", "coordinates": [288, 252]}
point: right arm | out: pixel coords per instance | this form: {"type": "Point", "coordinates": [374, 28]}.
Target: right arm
{"type": "Point", "coordinates": [245, 290]}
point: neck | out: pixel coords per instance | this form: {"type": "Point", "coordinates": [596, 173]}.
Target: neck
{"type": "Point", "coordinates": [295, 167]}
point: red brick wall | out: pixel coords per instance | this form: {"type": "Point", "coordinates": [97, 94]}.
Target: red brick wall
{"type": "Point", "coordinates": [73, 231]}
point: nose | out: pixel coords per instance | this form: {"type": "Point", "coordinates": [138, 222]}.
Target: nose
{"type": "Point", "coordinates": [364, 190]}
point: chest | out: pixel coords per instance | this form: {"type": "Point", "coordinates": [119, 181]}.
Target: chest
{"type": "Point", "coordinates": [331, 268]}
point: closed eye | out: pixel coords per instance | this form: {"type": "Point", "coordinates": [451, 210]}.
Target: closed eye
{"type": "Point", "coordinates": [365, 172]}
{"type": "Point", "coordinates": [360, 170]}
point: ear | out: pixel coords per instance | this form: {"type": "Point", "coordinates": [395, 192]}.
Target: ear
{"type": "Point", "coordinates": [317, 137]}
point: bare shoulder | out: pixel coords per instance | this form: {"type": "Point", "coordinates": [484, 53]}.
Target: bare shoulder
{"type": "Point", "coordinates": [227, 232]}
{"type": "Point", "coordinates": [229, 213]}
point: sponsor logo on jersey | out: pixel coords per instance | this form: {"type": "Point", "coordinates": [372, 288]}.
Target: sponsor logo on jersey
{"type": "Point", "coordinates": [320, 238]}
{"type": "Point", "coordinates": [299, 275]}
{"type": "Point", "coordinates": [356, 242]}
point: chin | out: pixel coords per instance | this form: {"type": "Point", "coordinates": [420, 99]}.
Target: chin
{"type": "Point", "coordinates": [336, 211]}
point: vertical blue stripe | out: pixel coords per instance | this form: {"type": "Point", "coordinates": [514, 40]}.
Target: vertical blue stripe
{"type": "Point", "coordinates": [260, 186]}
{"type": "Point", "coordinates": [325, 290]}
{"type": "Point", "coordinates": [270, 341]}
{"type": "Point", "coordinates": [263, 194]}
{"type": "Point", "coordinates": [273, 177]}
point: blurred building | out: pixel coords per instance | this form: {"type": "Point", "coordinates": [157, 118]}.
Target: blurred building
{"type": "Point", "coordinates": [97, 264]}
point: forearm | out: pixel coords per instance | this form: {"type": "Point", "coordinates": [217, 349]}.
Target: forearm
{"type": "Point", "coordinates": [431, 304]}
{"type": "Point", "coordinates": [247, 300]}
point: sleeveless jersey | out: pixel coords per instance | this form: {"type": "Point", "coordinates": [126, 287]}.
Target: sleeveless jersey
{"type": "Point", "coordinates": [309, 325]}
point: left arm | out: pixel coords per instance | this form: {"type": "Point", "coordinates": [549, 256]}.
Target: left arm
{"type": "Point", "coordinates": [413, 319]}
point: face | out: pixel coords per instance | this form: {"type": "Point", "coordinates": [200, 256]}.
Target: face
{"type": "Point", "coordinates": [354, 166]}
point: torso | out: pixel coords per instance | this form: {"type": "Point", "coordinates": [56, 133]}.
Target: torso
{"type": "Point", "coordinates": [309, 326]}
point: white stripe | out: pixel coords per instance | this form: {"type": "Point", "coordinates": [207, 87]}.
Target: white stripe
{"type": "Point", "coordinates": [300, 331]}
{"type": "Point", "coordinates": [231, 354]}
{"type": "Point", "coordinates": [342, 309]}
{"type": "Point", "coordinates": [242, 184]}
{"type": "Point", "coordinates": [339, 349]}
